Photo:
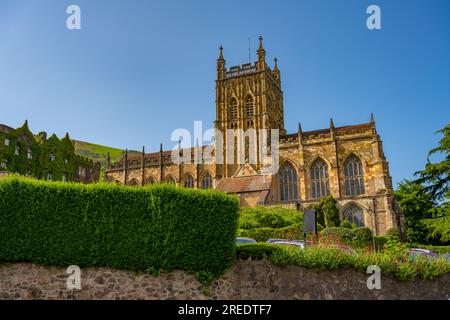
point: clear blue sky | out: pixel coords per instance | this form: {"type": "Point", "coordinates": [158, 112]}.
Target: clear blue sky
{"type": "Point", "coordinates": [139, 69]}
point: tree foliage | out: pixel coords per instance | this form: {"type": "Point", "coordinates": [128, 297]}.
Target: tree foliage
{"type": "Point", "coordinates": [415, 205]}
{"type": "Point", "coordinates": [327, 212]}
{"type": "Point", "coordinates": [436, 176]}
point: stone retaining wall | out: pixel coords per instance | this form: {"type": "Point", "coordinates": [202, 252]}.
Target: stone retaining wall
{"type": "Point", "coordinates": [245, 280]}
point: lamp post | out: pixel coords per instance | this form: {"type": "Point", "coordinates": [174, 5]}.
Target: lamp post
{"type": "Point", "coordinates": [372, 216]}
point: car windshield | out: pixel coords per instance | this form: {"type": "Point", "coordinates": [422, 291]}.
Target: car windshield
{"type": "Point", "coordinates": [243, 240]}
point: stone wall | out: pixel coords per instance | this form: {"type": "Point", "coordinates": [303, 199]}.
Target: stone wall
{"type": "Point", "coordinates": [245, 280]}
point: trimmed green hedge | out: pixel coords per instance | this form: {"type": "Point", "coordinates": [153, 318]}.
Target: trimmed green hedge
{"type": "Point", "coordinates": [256, 251]}
{"type": "Point", "coordinates": [158, 227]}
{"type": "Point", "coordinates": [268, 217]}
{"type": "Point", "coordinates": [293, 232]}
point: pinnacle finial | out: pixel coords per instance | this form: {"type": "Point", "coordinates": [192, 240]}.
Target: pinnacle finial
{"type": "Point", "coordinates": [299, 127]}
{"type": "Point", "coordinates": [276, 63]}
{"type": "Point", "coordinates": [261, 43]}
{"type": "Point", "coordinates": [331, 123]}
{"type": "Point", "coordinates": [372, 118]}
{"type": "Point", "coordinates": [221, 52]}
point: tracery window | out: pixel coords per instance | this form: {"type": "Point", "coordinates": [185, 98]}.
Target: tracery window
{"type": "Point", "coordinates": [188, 181]}
{"type": "Point", "coordinates": [133, 182]}
{"type": "Point", "coordinates": [233, 110]}
{"type": "Point", "coordinates": [170, 180]}
{"type": "Point", "coordinates": [207, 181]}
{"type": "Point", "coordinates": [354, 215]}
{"type": "Point", "coordinates": [320, 184]}
{"type": "Point", "coordinates": [288, 183]}
{"type": "Point", "coordinates": [354, 176]}
{"type": "Point", "coordinates": [249, 108]}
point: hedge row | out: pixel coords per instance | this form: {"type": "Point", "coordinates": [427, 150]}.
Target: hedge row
{"type": "Point", "coordinates": [152, 228]}
{"type": "Point", "coordinates": [293, 232]}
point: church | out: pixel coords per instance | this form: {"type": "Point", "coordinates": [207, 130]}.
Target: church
{"type": "Point", "coordinates": [347, 162]}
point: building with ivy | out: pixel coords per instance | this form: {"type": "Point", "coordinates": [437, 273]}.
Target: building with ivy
{"type": "Point", "coordinates": [43, 157]}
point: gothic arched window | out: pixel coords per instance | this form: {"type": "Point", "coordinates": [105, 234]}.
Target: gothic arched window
{"type": "Point", "coordinates": [133, 182]}
{"type": "Point", "coordinates": [354, 215]}
{"type": "Point", "coordinates": [249, 109]}
{"type": "Point", "coordinates": [151, 180]}
{"type": "Point", "coordinates": [354, 176]}
{"type": "Point", "coordinates": [206, 181]}
{"type": "Point", "coordinates": [170, 180]}
{"type": "Point", "coordinates": [288, 183]}
{"type": "Point", "coordinates": [320, 185]}
{"type": "Point", "coordinates": [233, 110]}
{"type": "Point", "coordinates": [188, 181]}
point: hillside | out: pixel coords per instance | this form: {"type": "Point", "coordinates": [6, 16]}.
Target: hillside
{"type": "Point", "coordinates": [97, 152]}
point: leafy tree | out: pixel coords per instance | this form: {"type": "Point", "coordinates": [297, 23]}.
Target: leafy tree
{"type": "Point", "coordinates": [415, 205]}
{"type": "Point", "coordinates": [327, 212]}
{"type": "Point", "coordinates": [435, 179]}
{"type": "Point", "coordinates": [436, 176]}
{"type": "Point", "coordinates": [438, 229]}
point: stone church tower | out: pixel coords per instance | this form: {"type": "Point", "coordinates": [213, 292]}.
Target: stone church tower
{"type": "Point", "coordinates": [247, 97]}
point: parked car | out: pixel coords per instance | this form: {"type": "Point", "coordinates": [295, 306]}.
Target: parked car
{"type": "Point", "coordinates": [415, 252]}
{"type": "Point", "coordinates": [446, 256]}
{"type": "Point", "coordinates": [240, 240]}
{"type": "Point", "coordinates": [275, 240]}
{"type": "Point", "coordinates": [298, 243]}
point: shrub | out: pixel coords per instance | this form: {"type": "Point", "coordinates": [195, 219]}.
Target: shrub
{"type": "Point", "coordinates": [271, 217]}
{"type": "Point", "coordinates": [256, 251]}
{"type": "Point", "coordinates": [327, 212]}
{"type": "Point", "coordinates": [396, 249]}
{"type": "Point", "coordinates": [292, 232]}
{"type": "Point", "coordinates": [320, 258]}
{"type": "Point", "coordinates": [346, 224]}
{"type": "Point", "coordinates": [271, 220]}
{"type": "Point", "coordinates": [338, 233]}
{"type": "Point", "coordinates": [361, 236]}
{"type": "Point", "coordinates": [380, 242]}
{"type": "Point", "coordinates": [158, 227]}
{"type": "Point", "coordinates": [393, 233]}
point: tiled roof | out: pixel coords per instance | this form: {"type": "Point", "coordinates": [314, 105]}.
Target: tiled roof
{"type": "Point", "coordinates": [5, 128]}
{"type": "Point", "coordinates": [244, 184]}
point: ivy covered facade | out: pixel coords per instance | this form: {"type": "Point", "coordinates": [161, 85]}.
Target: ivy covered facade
{"type": "Point", "coordinates": [43, 157]}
